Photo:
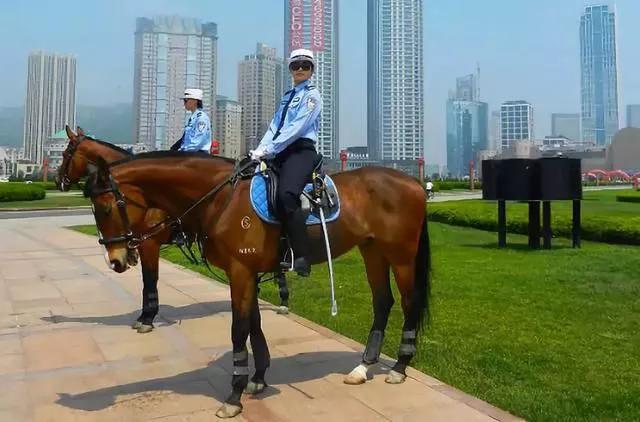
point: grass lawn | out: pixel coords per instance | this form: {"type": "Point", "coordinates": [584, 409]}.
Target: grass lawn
{"type": "Point", "coordinates": [49, 201]}
{"type": "Point", "coordinates": [603, 218]}
{"type": "Point", "coordinates": [546, 335]}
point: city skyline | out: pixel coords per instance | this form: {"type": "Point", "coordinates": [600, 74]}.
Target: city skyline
{"type": "Point", "coordinates": [547, 75]}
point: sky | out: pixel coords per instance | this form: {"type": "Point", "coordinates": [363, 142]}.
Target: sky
{"type": "Point", "coordinates": [526, 49]}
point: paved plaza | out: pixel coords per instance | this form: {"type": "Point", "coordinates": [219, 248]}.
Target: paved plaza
{"type": "Point", "coordinates": [67, 352]}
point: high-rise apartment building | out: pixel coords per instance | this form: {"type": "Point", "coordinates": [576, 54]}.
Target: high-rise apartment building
{"type": "Point", "coordinates": [395, 79]}
{"type": "Point", "coordinates": [599, 74]}
{"type": "Point", "coordinates": [260, 87]}
{"type": "Point", "coordinates": [313, 24]}
{"type": "Point", "coordinates": [171, 54]}
{"type": "Point", "coordinates": [50, 102]}
{"type": "Point", "coordinates": [516, 122]}
{"type": "Point", "coordinates": [567, 125]}
{"type": "Point", "coordinates": [229, 127]}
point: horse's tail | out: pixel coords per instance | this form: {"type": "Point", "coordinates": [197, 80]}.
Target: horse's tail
{"type": "Point", "coordinates": [422, 280]}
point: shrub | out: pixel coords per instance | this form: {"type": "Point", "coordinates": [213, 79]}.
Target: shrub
{"type": "Point", "coordinates": [598, 222]}
{"type": "Point", "coordinates": [441, 185]}
{"type": "Point", "coordinates": [633, 196]}
{"type": "Point", "coordinates": [10, 192]}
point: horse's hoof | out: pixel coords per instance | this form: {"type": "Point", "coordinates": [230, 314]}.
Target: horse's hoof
{"type": "Point", "coordinates": [282, 310]}
{"type": "Point", "coordinates": [254, 388]}
{"type": "Point", "coordinates": [354, 379]}
{"type": "Point", "coordinates": [357, 376]}
{"type": "Point", "coordinates": [144, 329]}
{"type": "Point", "coordinates": [136, 325]}
{"type": "Point", "coordinates": [395, 377]}
{"type": "Point", "coordinates": [228, 411]}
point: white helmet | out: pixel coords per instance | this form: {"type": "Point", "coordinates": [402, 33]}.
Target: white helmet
{"type": "Point", "coordinates": [192, 93]}
{"type": "Point", "coordinates": [302, 55]}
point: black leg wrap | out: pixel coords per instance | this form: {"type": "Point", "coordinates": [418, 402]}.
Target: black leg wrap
{"type": "Point", "coordinates": [408, 344]}
{"type": "Point", "coordinates": [150, 302]}
{"type": "Point", "coordinates": [283, 290]}
{"type": "Point", "coordinates": [374, 346]}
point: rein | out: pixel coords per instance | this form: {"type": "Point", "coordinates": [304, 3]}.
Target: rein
{"type": "Point", "coordinates": [133, 241]}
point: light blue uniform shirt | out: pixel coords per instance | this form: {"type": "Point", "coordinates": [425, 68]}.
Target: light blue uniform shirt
{"type": "Point", "coordinates": [197, 133]}
{"type": "Point", "coordinates": [301, 121]}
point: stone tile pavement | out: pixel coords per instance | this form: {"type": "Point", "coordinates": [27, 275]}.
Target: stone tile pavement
{"type": "Point", "coordinates": [67, 353]}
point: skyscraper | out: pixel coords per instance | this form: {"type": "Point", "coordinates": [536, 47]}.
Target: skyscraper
{"type": "Point", "coordinates": [260, 87]}
{"type": "Point", "coordinates": [633, 115]}
{"type": "Point", "coordinates": [494, 132]}
{"type": "Point", "coordinates": [171, 54]}
{"type": "Point", "coordinates": [313, 24]}
{"type": "Point", "coordinates": [467, 88]}
{"type": "Point", "coordinates": [229, 125]}
{"type": "Point", "coordinates": [395, 80]}
{"type": "Point", "coordinates": [599, 75]}
{"type": "Point", "coordinates": [50, 102]}
{"type": "Point", "coordinates": [516, 120]}
{"type": "Point", "coordinates": [467, 126]}
{"type": "Point", "coordinates": [567, 125]}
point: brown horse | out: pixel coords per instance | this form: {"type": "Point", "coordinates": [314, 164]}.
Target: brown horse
{"type": "Point", "coordinates": [382, 213]}
{"type": "Point", "coordinates": [81, 153]}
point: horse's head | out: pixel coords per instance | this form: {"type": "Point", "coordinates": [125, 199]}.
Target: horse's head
{"type": "Point", "coordinates": [118, 209]}
{"type": "Point", "coordinates": [74, 162]}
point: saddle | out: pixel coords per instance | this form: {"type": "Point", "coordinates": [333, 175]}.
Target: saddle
{"type": "Point", "coordinates": [320, 192]}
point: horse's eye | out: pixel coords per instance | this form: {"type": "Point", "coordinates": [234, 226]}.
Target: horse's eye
{"type": "Point", "coordinates": [103, 210]}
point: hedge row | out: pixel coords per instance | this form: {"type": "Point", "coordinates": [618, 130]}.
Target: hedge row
{"type": "Point", "coordinates": [597, 226]}
{"type": "Point", "coordinates": [10, 192]}
{"type": "Point", "coordinates": [628, 197]}
{"type": "Point", "coordinates": [440, 185]}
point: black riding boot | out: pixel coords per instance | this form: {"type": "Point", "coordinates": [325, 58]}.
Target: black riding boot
{"type": "Point", "coordinates": [297, 232]}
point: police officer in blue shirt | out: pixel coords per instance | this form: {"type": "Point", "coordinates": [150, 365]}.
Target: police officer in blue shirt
{"type": "Point", "coordinates": [197, 131]}
{"type": "Point", "coordinates": [290, 141]}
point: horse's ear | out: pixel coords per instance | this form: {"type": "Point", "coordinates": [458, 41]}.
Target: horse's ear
{"type": "Point", "coordinates": [102, 169]}
{"type": "Point", "coordinates": [72, 136]}
{"type": "Point", "coordinates": [80, 131]}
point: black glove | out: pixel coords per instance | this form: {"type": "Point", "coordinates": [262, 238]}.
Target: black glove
{"type": "Point", "coordinates": [177, 145]}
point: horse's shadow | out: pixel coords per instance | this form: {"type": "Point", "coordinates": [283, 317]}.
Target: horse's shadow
{"type": "Point", "coordinates": [214, 381]}
{"type": "Point", "coordinates": [167, 315]}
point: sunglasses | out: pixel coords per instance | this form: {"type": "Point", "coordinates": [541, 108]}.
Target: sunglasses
{"type": "Point", "coordinates": [306, 66]}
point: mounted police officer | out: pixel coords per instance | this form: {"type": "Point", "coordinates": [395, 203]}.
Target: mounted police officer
{"type": "Point", "coordinates": [195, 138]}
{"type": "Point", "coordinates": [197, 131]}
{"type": "Point", "coordinates": [290, 141]}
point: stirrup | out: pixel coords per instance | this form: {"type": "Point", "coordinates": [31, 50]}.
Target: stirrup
{"type": "Point", "coordinates": [286, 264]}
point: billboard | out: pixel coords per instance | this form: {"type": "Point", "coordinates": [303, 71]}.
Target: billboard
{"type": "Point", "coordinates": [314, 26]}
{"type": "Point", "coordinates": [296, 9]}
{"type": "Point", "coordinates": [317, 25]}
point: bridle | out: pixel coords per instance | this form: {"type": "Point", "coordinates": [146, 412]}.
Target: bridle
{"type": "Point", "coordinates": [112, 187]}
{"type": "Point", "coordinates": [121, 201]}
{"type": "Point", "coordinates": [67, 156]}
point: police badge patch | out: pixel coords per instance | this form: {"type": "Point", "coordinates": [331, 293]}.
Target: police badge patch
{"type": "Point", "coordinates": [311, 103]}
{"type": "Point", "coordinates": [202, 125]}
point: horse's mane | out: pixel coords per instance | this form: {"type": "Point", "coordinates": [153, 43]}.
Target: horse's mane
{"type": "Point", "coordinates": [109, 145]}
{"type": "Point", "coordinates": [170, 154]}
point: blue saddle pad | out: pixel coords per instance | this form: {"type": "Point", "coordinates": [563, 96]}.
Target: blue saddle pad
{"type": "Point", "coordinates": [259, 202]}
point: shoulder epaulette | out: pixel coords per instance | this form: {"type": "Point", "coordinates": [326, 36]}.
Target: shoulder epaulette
{"type": "Point", "coordinates": [310, 87]}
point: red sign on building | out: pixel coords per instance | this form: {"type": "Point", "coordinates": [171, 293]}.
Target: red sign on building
{"type": "Point", "coordinates": [317, 25]}
{"type": "Point", "coordinates": [296, 10]}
